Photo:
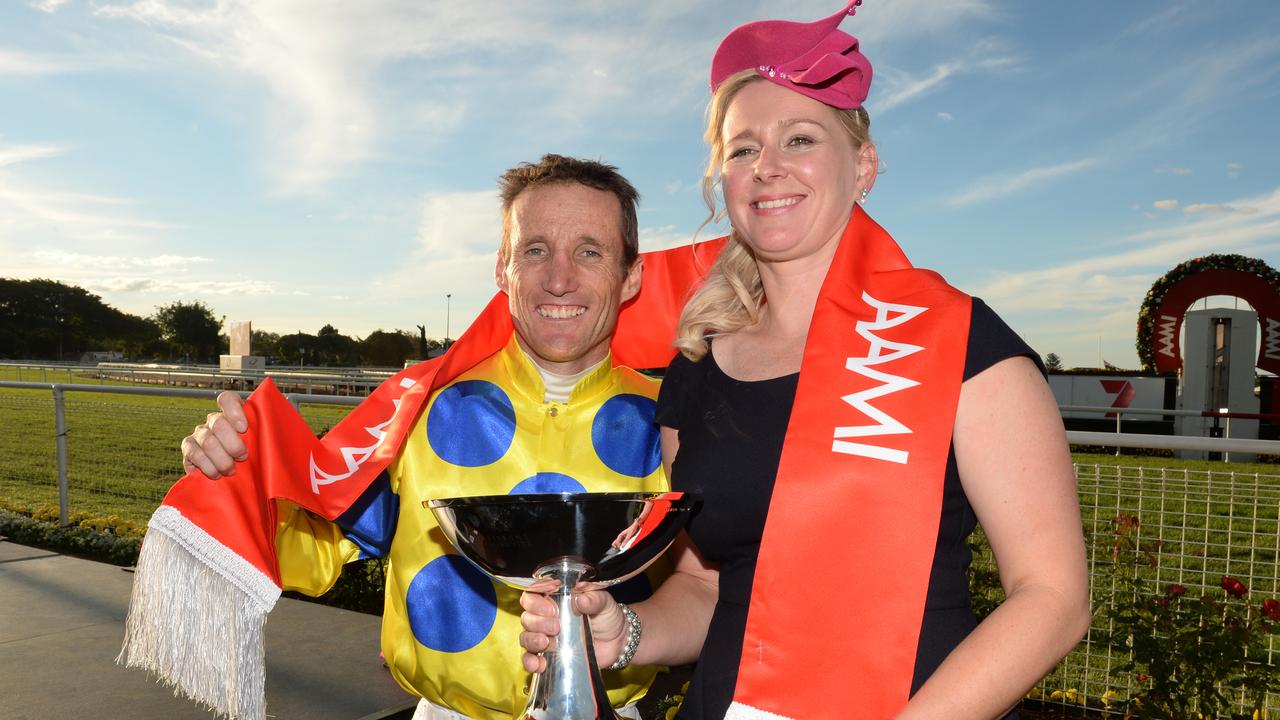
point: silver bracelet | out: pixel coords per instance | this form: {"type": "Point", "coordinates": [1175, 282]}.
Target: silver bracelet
{"type": "Point", "coordinates": [633, 638]}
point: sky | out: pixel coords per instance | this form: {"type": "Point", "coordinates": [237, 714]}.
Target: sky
{"type": "Point", "coordinates": [302, 162]}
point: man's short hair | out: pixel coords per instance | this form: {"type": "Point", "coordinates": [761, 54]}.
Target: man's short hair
{"type": "Point", "coordinates": [553, 169]}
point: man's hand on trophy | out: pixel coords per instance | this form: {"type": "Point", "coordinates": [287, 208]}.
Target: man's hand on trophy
{"type": "Point", "coordinates": [215, 445]}
{"type": "Point", "coordinates": [608, 626]}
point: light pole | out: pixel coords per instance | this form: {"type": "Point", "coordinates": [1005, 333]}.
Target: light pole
{"type": "Point", "coordinates": [448, 303]}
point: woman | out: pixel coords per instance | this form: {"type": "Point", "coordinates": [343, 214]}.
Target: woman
{"type": "Point", "coordinates": [844, 417]}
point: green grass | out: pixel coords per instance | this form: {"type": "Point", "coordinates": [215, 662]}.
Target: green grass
{"type": "Point", "coordinates": [51, 375]}
{"type": "Point", "coordinates": [122, 450]}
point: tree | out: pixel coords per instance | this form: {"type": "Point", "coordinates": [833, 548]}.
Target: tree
{"type": "Point", "coordinates": [386, 349]}
{"type": "Point", "coordinates": [266, 344]}
{"type": "Point", "coordinates": [422, 346]}
{"type": "Point", "coordinates": [331, 347]}
{"type": "Point", "coordinates": [294, 348]}
{"type": "Point", "coordinates": [191, 329]}
{"type": "Point", "coordinates": [47, 319]}
{"type": "Point", "coordinates": [1052, 362]}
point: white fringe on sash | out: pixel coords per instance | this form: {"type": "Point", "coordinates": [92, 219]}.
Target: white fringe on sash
{"type": "Point", "coordinates": [197, 617]}
{"type": "Point", "coordinates": [738, 711]}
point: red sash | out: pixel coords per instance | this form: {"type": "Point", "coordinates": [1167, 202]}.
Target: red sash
{"type": "Point", "coordinates": [848, 546]}
{"type": "Point", "coordinates": [208, 573]}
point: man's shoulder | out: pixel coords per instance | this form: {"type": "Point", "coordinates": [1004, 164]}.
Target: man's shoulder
{"type": "Point", "coordinates": [635, 382]}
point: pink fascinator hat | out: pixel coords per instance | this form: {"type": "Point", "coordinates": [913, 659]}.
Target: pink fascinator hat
{"type": "Point", "coordinates": [815, 59]}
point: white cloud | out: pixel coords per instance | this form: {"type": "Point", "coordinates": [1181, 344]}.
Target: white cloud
{"type": "Point", "coordinates": [48, 6]}
{"type": "Point", "coordinates": [903, 88]}
{"type": "Point", "coordinates": [13, 62]}
{"type": "Point", "coordinates": [171, 288]}
{"type": "Point", "coordinates": [455, 254]}
{"type": "Point", "coordinates": [896, 87]}
{"type": "Point", "coordinates": [1180, 171]}
{"type": "Point", "coordinates": [326, 79]}
{"type": "Point", "coordinates": [132, 281]}
{"type": "Point", "coordinates": [324, 66]}
{"type": "Point", "coordinates": [907, 19]}
{"type": "Point", "coordinates": [946, 116]}
{"type": "Point", "coordinates": [1235, 166]}
{"type": "Point", "coordinates": [31, 215]}
{"type": "Point", "coordinates": [1165, 204]}
{"type": "Point", "coordinates": [998, 186]}
{"type": "Point", "coordinates": [1194, 208]}
{"type": "Point", "coordinates": [667, 236]}
{"type": "Point", "coordinates": [74, 216]}
{"type": "Point", "coordinates": [459, 225]}
{"type": "Point", "coordinates": [1171, 106]}
{"type": "Point", "coordinates": [81, 262]}
{"type": "Point", "coordinates": [14, 154]}
{"type": "Point", "coordinates": [1160, 22]}
{"type": "Point", "coordinates": [1116, 282]}
{"type": "Point", "coordinates": [315, 60]}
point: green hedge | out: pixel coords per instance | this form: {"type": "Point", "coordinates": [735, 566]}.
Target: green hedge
{"type": "Point", "coordinates": [116, 540]}
{"type": "Point", "coordinates": [110, 539]}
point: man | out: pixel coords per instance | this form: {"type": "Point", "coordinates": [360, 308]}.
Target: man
{"type": "Point", "coordinates": [547, 413]}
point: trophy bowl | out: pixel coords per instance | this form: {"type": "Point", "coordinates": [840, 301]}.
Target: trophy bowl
{"type": "Point", "coordinates": [552, 542]}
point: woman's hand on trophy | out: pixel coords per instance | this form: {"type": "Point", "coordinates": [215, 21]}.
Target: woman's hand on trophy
{"type": "Point", "coordinates": [541, 625]}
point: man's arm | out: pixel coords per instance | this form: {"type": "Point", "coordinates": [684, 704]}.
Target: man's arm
{"type": "Point", "coordinates": [311, 550]}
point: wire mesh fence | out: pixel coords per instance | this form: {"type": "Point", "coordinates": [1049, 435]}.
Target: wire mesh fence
{"type": "Point", "coordinates": [122, 456]}
{"type": "Point", "coordinates": [1192, 529]}
{"type": "Point", "coordinates": [27, 447]}
{"type": "Point", "coordinates": [122, 452]}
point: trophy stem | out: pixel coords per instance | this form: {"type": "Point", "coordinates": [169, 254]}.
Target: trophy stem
{"type": "Point", "coordinates": [571, 687]}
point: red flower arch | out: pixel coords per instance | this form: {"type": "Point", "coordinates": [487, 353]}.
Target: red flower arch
{"type": "Point", "coordinates": [1160, 320]}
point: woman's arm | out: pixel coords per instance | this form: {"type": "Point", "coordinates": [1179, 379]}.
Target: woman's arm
{"type": "Point", "coordinates": [674, 620]}
{"type": "Point", "coordinates": [1016, 470]}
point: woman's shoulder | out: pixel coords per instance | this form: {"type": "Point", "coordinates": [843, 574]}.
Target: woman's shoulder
{"type": "Point", "coordinates": [679, 385]}
{"type": "Point", "coordinates": [992, 340]}
{"type": "Point", "coordinates": [682, 370]}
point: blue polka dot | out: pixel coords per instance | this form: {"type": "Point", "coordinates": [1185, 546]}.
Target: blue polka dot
{"type": "Point", "coordinates": [625, 436]}
{"type": "Point", "coordinates": [633, 590]}
{"type": "Point", "coordinates": [471, 423]}
{"type": "Point", "coordinates": [547, 482]}
{"type": "Point", "coordinates": [451, 605]}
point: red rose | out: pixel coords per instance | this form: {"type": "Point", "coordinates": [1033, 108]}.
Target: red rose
{"type": "Point", "coordinates": [1234, 587]}
{"type": "Point", "coordinates": [1271, 608]}
{"type": "Point", "coordinates": [1142, 677]}
{"type": "Point", "coordinates": [1177, 591]}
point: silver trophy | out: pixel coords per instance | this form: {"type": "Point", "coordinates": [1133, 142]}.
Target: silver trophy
{"type": "Point", "coordinates": [550, 543]}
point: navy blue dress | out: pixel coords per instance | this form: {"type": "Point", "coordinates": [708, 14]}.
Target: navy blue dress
{"type": "Point", "coordinates": [731, 434]}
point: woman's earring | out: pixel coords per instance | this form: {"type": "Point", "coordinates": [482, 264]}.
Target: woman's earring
{"type": "Point", "coordinates": [863, 199]}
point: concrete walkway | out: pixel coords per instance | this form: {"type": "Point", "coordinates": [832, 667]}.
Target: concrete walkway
{"type": "Point", "coordinates": [62, 620]}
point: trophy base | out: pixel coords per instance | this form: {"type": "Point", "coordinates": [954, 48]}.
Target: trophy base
{"type": "Point", "coordinates": [571, 687]}
{"type": "Point", "coordinates": [548, 715]}
{"type": "Point", "coordinates": [578, 712]}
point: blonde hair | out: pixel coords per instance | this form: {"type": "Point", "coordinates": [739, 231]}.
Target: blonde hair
{"type": "Point", "coordinates": [731, 297]}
